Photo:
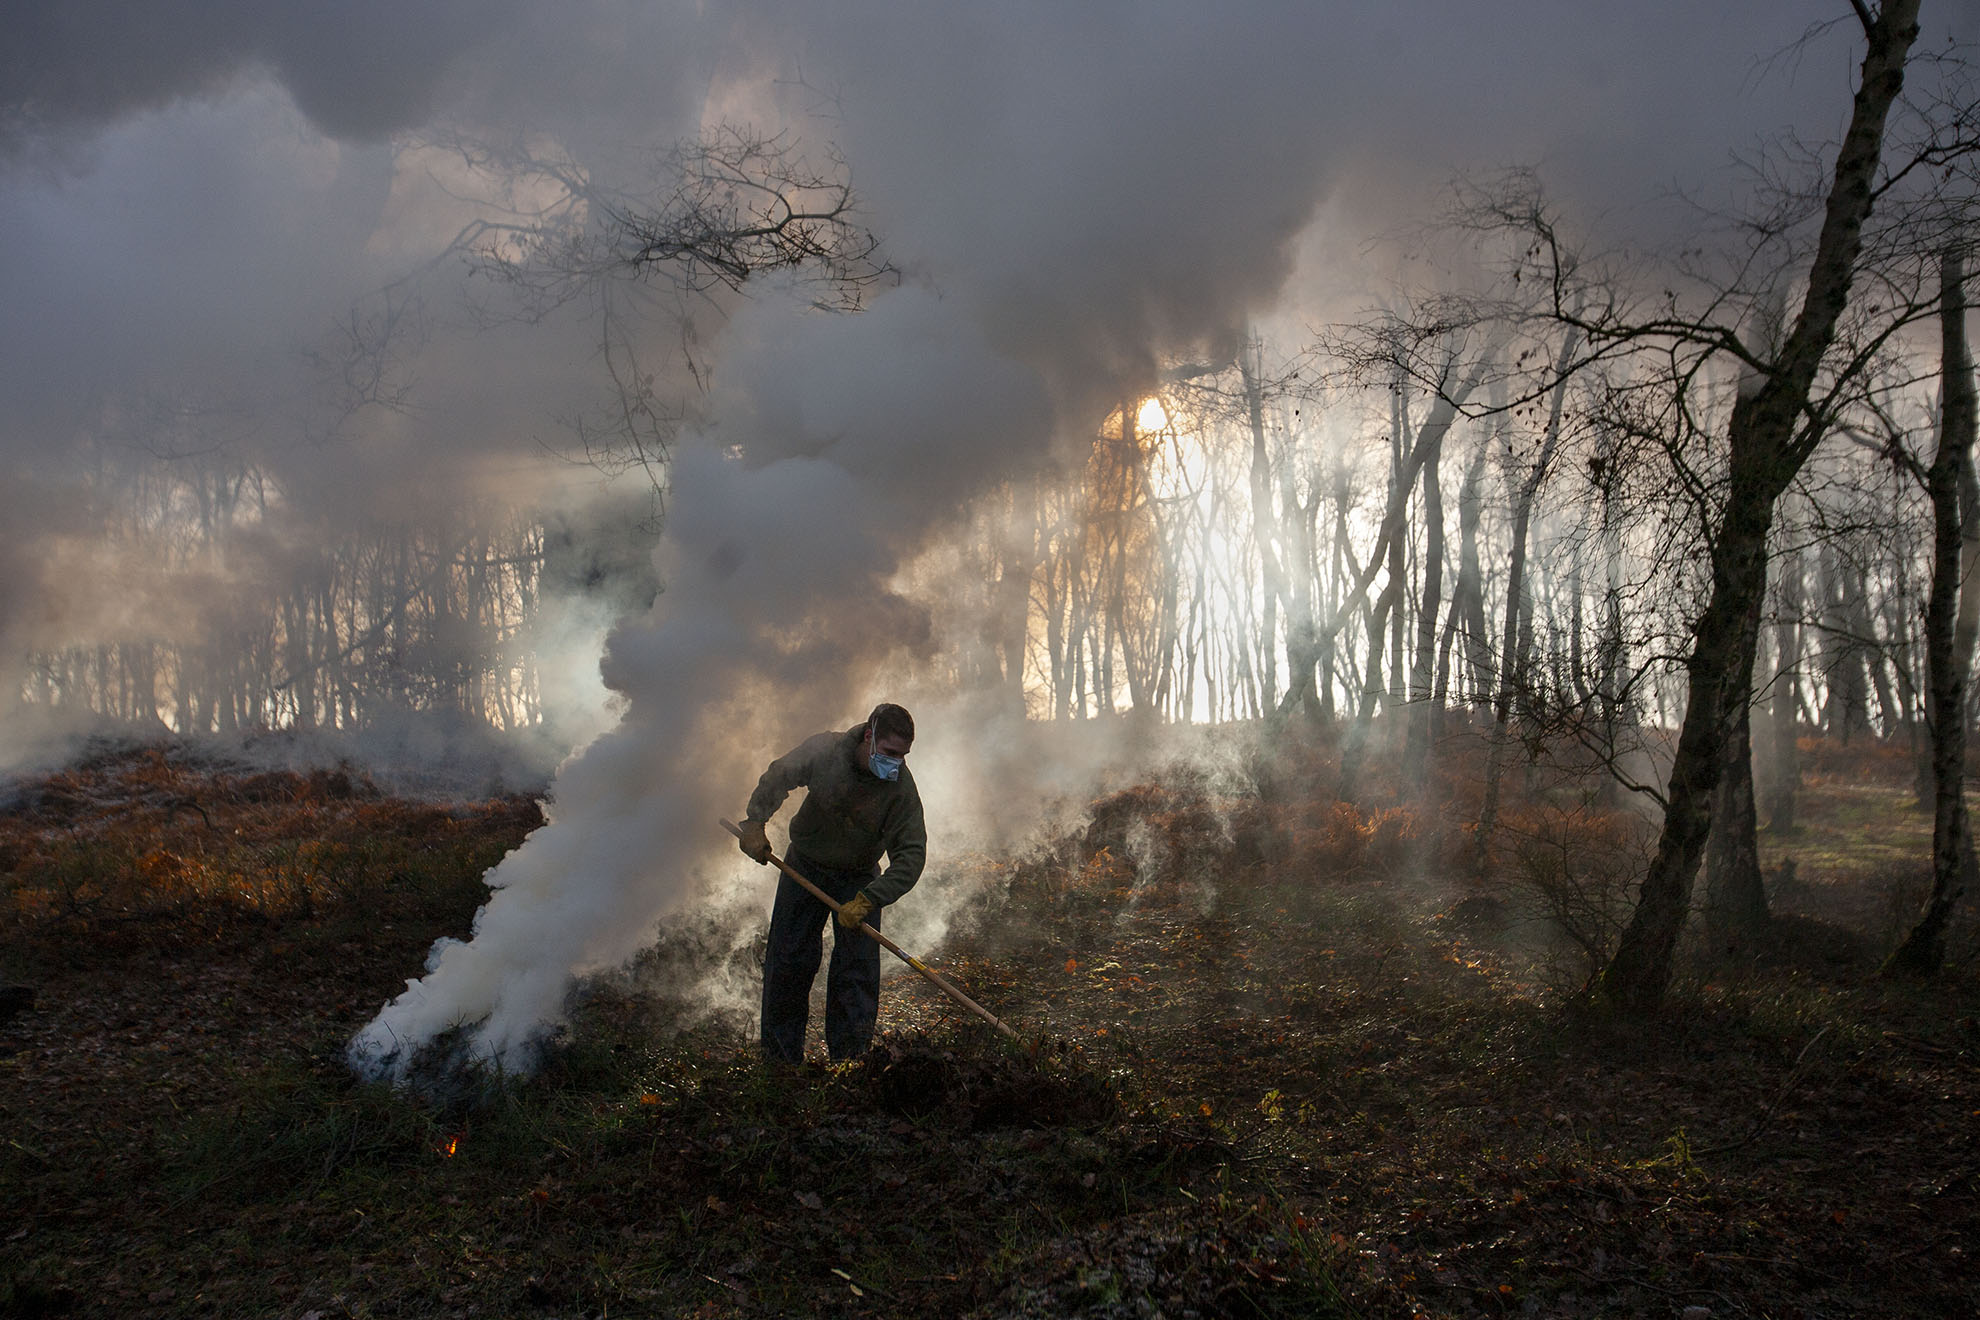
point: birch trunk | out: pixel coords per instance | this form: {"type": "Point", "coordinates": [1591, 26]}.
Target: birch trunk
{"type": "Point", "coordinates": [1951, 616]}
{"type": "Point", "coordinates": [1764, 459]}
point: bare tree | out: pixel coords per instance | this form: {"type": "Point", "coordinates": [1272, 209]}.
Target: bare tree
{"type": "Point", "coordinates": [1429, 352]}
{"type": "Point", "coordinates": [1952, 617]}
{"type": "Point", "coordinates": [1771, 433]}
{"type": "Point", "coordinates": [699, 225]}
{"type": "Point", "coordinates": [1786, 696]}
{"type": "Point", "coordinates": [1523, 482]}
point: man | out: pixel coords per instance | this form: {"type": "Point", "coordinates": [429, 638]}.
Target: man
{"type": "Point", "coordinates": [862, 805]}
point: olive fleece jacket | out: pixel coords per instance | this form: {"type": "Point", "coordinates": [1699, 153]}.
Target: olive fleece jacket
{"type": "Point", "coordinates": [851, 815]}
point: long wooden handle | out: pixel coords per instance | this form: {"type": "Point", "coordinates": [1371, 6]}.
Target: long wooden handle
{"type": "Point", "coordinates": [935, 977]}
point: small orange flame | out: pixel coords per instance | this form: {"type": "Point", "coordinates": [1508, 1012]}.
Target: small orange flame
{"type": "Point", "coordinates": [450, 1145]}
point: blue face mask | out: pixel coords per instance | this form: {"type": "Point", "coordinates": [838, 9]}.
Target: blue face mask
{"type": "Point", "coordinates": [883, 767]}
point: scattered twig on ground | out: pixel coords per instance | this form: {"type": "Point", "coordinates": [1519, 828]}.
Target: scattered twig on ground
{"type": "Point", "coordinates": [1766, 1116]}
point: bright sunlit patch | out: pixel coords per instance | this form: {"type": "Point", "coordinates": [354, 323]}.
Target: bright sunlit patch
{"type": "Point", "coordinates": [1152, 417]}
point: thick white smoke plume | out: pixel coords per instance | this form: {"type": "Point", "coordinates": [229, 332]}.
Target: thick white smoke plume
{"type": "Point", "coordinates": [839, 445]}
{"type": "Point", "coordinates": [856, 436]}
{"type": "Point", "coordinates": [1072, 200]}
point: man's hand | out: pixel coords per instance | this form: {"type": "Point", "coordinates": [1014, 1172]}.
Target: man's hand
{"type": "Point", "coordinates": [855, 910]}
{"type": "Point", "coordinates": [755, 843]}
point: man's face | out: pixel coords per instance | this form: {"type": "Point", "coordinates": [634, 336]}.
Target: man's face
{"type": "Point", "coordinates": [891, 744]}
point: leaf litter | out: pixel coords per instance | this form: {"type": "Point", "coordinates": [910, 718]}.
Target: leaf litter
{"type": "Point", "coordinates": [1269, 1078]}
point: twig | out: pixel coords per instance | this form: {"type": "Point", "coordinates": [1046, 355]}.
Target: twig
{"type": "Point", "coordinates": [1794, 1075]}
{"type": "Point", "coordinates": [1948, 1053]}
{"type": "Point", "coordinates": [174, 807]}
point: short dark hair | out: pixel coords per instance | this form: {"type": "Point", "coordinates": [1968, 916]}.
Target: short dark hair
{"type": "Point", "coordinates": [890, 721]}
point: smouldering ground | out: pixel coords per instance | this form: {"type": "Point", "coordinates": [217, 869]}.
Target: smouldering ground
{"type": "Point", "coordinates": [1273, 1082]}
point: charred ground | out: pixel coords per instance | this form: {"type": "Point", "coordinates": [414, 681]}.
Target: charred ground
{"type": "Point", "coordinates": [1273, 1072]}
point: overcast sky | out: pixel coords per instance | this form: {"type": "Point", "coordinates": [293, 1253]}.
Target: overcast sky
{"type": "Point", "coordinates": [194, 195]}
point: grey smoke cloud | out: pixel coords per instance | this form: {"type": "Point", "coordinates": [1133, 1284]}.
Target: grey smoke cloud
{"type": "Point", "coordinates": [1072, 194]}
{"type": "Point", "coordinates": [360, 69]}
{"type": "Point", "coordinates": [790, 513]}
{"type": "Point", "coordinates": [231, 192]}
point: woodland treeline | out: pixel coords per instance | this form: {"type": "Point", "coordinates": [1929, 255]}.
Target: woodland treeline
{"type": "Point", "coordinates": [397, 621]}
{"type": "Point", "coordinates": [1653, 513]}
{"type": "Point", "coordinates": [235, 619]}
{"type": "Point", "coordinates": [1725, 489]}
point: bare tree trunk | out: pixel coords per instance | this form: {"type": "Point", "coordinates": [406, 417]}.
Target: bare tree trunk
{"type": "Point", "coordinates": [1515, 646]}
{"type": "Point", "coordinates": [1735, 894]}
{"type": "Point", "coordinates": [1309, 591]}
{"type": "Point", "coordinates": [1951, 616]}
{"type": "Point", "coordinates": [1468, 597]}
{"type": "Point", "coordinates": [1057, 648]}
{"type": "Point", "coordinates": [1787, 667]}
{"type": "Point", "coordinates": [1905, 663]}
{"type": "Point", "coordinates": [1766, 452]}
{"type": "Point", "coordinates": [1392, 690]}
{"type": "Point", "coordinates": [1013, 591]}
{"type": "Point", "coordinates": [1354, 747]}
{"type": "Point", "coordinates": [1443, 412]}
{"type": "Point", "coordinates": [1340, 568]}
{"type": "Point", "coordinates": [1125, 500]}
{"type": "Point", "coordinates": [1264, 524]}
{"type": "Point", "coordinates": [1422, 697]}
{"type": "Point", "coordinates": [1613, 710]}
{"type": "Point", "coordinates": [1404, 457]}
{"type": "Point", "coordinates": [1846, 704]}
{"type": "Point", "coordinates": [1871, 649]}
{"type": "Point", "coordinates": [1578, 679]}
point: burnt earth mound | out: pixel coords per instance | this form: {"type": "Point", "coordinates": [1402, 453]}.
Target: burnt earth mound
{"type": "Point", "coordinates": [1049, 1086]}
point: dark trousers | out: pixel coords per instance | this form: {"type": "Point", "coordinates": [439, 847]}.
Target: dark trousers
{"type": "Point", "coordinates": [790, 964]}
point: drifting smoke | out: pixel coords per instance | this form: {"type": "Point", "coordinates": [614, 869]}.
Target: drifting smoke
{"type": "Point", "coordinates": [776, 605]}
{"type": "Point", "coordinates": [358, 68]}
{"type": "Point", "coordinates": [1073, 195]}
{"type": "Point", "coordinates": [839, 446]}
{"type": "Point", "coordinates": [1147, 215]}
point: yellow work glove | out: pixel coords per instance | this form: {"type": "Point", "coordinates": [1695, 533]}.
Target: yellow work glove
{"type": "Point", "coordinates": [855, 910]}
{"type": "Point", "coordinates": [755, 843]}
